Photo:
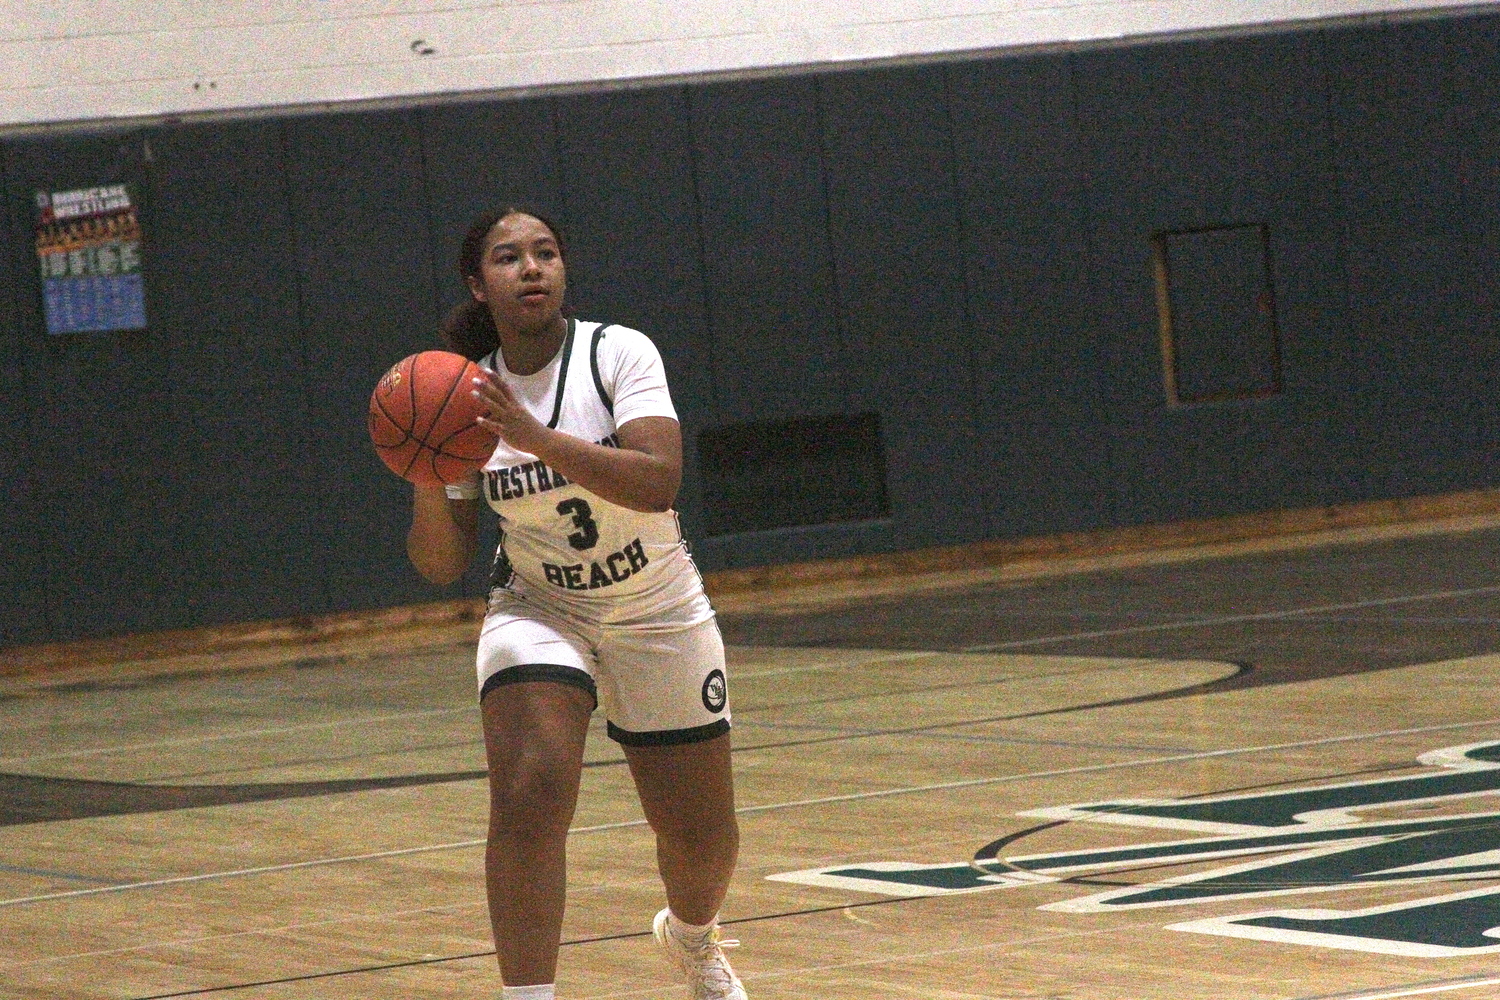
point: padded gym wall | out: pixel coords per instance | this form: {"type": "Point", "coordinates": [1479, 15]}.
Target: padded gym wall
{"type": "Point", "coordinates": [233, 489]}
{"type": "Point", "coordinates": [170, 460]}
{"type": "Point", "coordinates": [97, 448]}
{"type": "Point", "coordinates": [895, 228]}
{"type": "Point", "coordinates": [961, 255]}
{"type": "Point", "coordinates": [365, 284]}
{"type": "Point", "coordinates": [1038, 365]}
{"type": "Point", "coordinates": [1204, 134]}
{"type": "Point", "coordinates": [772, 305]}
{"type": "Point", "coordinates": [632, 218]}
{"type": "Point", "coordinates": [776, 352]}
{"type": "Point", "coordinates": [1416, 112]}
{"type": "Point", "coordinates": [23, 618]}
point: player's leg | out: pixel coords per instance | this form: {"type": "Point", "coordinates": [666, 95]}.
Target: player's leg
{"type": "Point", "coordinates": [534, 734]}
{"type": "Point", "coordinates": [536, 695]}
{"type": "Point", "coordinates": [688, 796]}
{"type": "Point", "coordinates": [668, 706]}
{"type": "Point", "coordinates": [667, 698]}
{"type": "Point", "coordinates": [687, 793]}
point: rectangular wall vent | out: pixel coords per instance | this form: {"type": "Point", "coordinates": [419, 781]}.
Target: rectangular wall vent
{"type": "Point", "coordinates": [794, 473]}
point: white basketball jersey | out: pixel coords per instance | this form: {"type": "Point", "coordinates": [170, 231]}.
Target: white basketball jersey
{"type": "Point", "coordinates": [560, 543]}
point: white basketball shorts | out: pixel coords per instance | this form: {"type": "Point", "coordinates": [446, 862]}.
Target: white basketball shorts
{"type": "Point", "coordinates": [659, 685]}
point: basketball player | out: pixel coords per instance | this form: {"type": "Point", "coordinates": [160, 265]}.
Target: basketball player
{"type": "Point", "coordinates": [594, 599]}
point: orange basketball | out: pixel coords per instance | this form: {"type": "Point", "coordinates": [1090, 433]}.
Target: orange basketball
{"type": "Point", "coordinates": [422, 419]}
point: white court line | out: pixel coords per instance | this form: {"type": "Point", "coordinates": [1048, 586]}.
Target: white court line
{"type": "Point", "coordinates": [1132, 664]}
{"type": "Point", "coordinates": [384, 916]}
{"type": "Point", "coordinates": [893, 655]}
{"type": "Point", "coordinates": [282, 929]}
{"type": "Point", "coordinates": [424, 713]}
{"type": "Point", "coordinates": [293, 866]}
{"type": "Point", "coordinates": [1090, 768]}
{"type": "Point", "coordinates": [219, 737]}
{"type": "Point", "coordinates": [959, 737]}
{"type": "Point", "coordinates": [1265, 616]}
{"type": "Point", "coordinates": [910, 956]}
{"type": "Point", "coordinates": [1422, 991]}
{"type": "Point", "coordinates": [772, 807]}
{"type": "Point", "coordinates": [883, 656]}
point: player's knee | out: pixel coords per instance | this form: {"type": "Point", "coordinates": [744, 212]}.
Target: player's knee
{"type": "Point", "coordinates": [533, 800]}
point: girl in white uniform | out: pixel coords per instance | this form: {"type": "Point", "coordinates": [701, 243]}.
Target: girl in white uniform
{"type": "Point", "coordinates": [594, 600]}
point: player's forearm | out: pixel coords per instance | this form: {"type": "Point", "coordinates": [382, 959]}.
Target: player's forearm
{"type": "Point", "coordinates": [633, 479]}
{"type": "Point", "coordinates": [443, 533]}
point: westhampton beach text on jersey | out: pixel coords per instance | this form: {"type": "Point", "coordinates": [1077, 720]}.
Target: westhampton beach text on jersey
{"type": "Point", "coordinates": [531, 477]}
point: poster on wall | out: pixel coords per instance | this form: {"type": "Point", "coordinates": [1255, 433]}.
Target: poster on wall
{"type": "Point", "coordinates": [88, 242]}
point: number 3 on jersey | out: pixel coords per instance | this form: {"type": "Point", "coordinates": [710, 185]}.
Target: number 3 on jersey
{"type": "Point", "coordinates": [587, 535]}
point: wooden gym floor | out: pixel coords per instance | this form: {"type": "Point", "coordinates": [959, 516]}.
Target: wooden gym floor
{"type": "Point", "coordinates": [305, 822]}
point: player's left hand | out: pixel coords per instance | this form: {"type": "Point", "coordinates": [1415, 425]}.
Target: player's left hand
{"type": "Point", "coordinates": [507, 417]}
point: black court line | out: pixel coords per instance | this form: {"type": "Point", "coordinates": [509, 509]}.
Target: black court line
{"type": "Point", "coordinates": [1416, 988]}
{"type": "Point", "coordinates": [1317, 613]}
{"type": "Point", "coordinates": [167, 678]}
{"type": "Point", "coordinates": [813, 911]}
{"type": "Point", "coordinates": [1012, 678]}
{"type": "Point", "coordinates": [26, 798]}
{"type": "Point", "coordinates": [1204, 687]}
{"type": "Point", "coordinates": [345, 758]}
{"type": "Point", "coordinates": [38, 799]}
{"type": "Point", "coordinates": [858, 904]}
{"type": "Point", "coordinates": [358, 970]}
{"type": "Point", "coordinates": [306, 761]}
{"type": "Point", "coordinates": [990, 853]}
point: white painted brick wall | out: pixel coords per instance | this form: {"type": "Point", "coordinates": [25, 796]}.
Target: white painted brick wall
{"type": "Point", "coordinates": [79, 60]}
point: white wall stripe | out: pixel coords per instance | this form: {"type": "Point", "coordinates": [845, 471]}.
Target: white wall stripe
{"type": "Point", "coordinates": [81, 60]}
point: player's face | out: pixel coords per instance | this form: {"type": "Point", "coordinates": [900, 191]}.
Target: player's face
{"type": "Point", "coordinates": [521, 275]}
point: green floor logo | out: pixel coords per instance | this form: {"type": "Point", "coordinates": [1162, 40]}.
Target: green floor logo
{"type": "Point", "coordinates": [1301, 841]}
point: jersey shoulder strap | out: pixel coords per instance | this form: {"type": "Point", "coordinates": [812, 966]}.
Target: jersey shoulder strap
{"type": "Point", "coordinates": [562, 374]}
{"type": "Point", "coordinates": [609, 404]}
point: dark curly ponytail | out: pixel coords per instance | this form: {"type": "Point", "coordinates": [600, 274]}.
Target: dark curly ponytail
{"type": "Point", "coordinates": [469, 329]}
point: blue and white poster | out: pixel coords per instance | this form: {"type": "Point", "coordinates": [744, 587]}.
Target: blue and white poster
{"type": "Point", "coordinates": [88, 243]}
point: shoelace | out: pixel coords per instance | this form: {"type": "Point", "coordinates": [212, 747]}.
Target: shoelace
{"type": "Point", "coordinates": [708, 967]}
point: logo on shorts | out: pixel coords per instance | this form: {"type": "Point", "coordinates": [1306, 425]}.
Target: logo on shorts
{"type": "Point", "coordinates": [715, 691]}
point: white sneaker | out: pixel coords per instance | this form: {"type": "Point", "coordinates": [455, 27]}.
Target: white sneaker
{"type": "Point", "coordinates": [707, 970]}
